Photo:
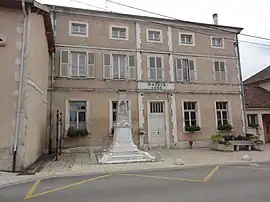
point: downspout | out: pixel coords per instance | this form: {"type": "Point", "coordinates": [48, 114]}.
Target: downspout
{"type": "Point", "coordinates": [51, 84]}
{"type": "Point", "coordinates": [20, 110]}
{"type": "Point", "coordinates": [242, 93]}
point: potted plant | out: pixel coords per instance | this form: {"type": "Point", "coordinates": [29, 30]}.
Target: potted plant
{"type": "Point", "coordinates": [258, 145]}
{"type": "Point", "coordinates": [72, 132]}
{"type": "Point", "coordinates": [191, 130]}
{"type": "Point", "coordinates": [226, 127]}
{"type": "Point", "coordinates": [222, 142]}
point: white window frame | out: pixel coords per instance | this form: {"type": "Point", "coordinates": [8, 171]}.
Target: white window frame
{"type": "Point", "coordinates": [195, 69]}
{"type": "Point", "coordinates": [230, 120]}
{"type": "Point", "coordinates": [198, 114]}
{"type": "Point", "coordinates": [111, 113]}
{"type": "Point", "coordinates": [226, 70]}
{"type": "Point", "coordinates": [78, 22]}
{"type": "Point", "coordinates": [187, 33]}
{"type": "Point", "coordinates": [162, 64]}
{"type": "Point", "coordinates": [87, 118]}
{"type": "Point", "coordinates": [154, 30]}
{"type": "Point", "coordinates": [249, 119]}
{"type": "Point", "coordinates": [219, 47]}
{"type": "Point", "coordinates": [69, 71]}
{"type": "Point", "coordinates": [119, 26]}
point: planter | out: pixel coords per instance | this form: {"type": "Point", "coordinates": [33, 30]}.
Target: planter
{"type": "Point", "coordinates": [222, 147]}
{"type": "Point", "coordinates": [258, 147]}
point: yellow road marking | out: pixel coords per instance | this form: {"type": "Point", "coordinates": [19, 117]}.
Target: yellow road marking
{"type": "Point", "coordinates": [32, 190]}
{"type": "Point", "coordinates": [60, 188]}
{"type": "Point", "coordinates": [211, 174]}
{"type": "Point", "coordinates": [160, 177]}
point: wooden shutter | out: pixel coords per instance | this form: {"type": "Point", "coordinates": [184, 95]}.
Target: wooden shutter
{"type": "Point", "coordinates": [64, 63]}
{"type": "Point", "coordinates": [216, 71]}
{"type": "Point", "coordinates": [90, 65]}
{"type": "Point", "coordinates": [131, 67]}
{"type": "Point", "coordinates": [178, 69]}
{"type": "Point", "coordinates": [223, 73]}
{"type": "Point", "coordinates": [107, 68]}
{"type": "Point", "coordinates": [192, 71]}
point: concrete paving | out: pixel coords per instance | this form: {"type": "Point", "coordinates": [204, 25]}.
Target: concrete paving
{"type": "Point", "coordinates": [241, 183]}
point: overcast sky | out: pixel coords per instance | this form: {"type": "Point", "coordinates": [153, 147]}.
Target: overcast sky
{"type": "Point", "coordinates": [253, 16]}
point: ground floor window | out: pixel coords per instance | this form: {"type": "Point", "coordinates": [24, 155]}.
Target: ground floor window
{"type": "Point", "coordinates": [222, 113]}
{"type": "Point", "coordinates": [252, 119]}
{"type": "Point", "coordinates": [190, 114]}
{"type": "Point", "coordinates": [77, 114]}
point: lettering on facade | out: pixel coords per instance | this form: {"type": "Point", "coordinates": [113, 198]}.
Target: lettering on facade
{"type": "Point", "coordinates": [156, 85]}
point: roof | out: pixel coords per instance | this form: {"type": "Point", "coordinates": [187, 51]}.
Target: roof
{"type": "Point", "coordinates": [261, 76]}
{"type": "Point", "coordinates": [38, 8]}
{"type": "Point", "coordinates": [256, 97]}
{"type": "Point", "coordinates": [131, 16]}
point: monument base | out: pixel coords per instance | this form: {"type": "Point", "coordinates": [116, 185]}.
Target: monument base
{"type": "Point", "coordinates": [123, 150]}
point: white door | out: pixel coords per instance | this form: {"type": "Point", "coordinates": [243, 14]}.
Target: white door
{"type": "Point", "coordinates": [156, 123]}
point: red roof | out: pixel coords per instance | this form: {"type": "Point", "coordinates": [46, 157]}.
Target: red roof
{"type": "Point", "coordinates": [256, 97]}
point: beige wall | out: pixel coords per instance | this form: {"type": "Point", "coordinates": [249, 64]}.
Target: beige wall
{"type": "Point", "coordinates": [38, 69]}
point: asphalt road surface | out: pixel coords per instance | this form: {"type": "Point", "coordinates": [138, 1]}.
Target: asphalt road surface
{"type": "Point", "coordinates": [239, 183]}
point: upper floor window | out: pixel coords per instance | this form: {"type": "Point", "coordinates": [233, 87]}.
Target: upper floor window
{"type": "Point", "coordinates": [78, 29]}
{"type": "Point", "coordinates": [77, 64]}
{"type": "Point", "coordinates": [217, 42]}
{"type": "Point", "coordinates": [154, 35]}
{"type": "Point", "coordinates": [187, 39]}
{"type": "Point", "coordinates": [118, 66]}
{"type": "Point", "coordinates": [155, 68]}
{"type": "Point", "coordinates": [185, 70]}
{"type": "Point", "coordinates": [222, 112]}
{"type": "Point", "coordinates": [220, 73]}
{"type": "Point", "coordinates": [118, 32]}
{"type": "Point", "coordinates": [190, 113]}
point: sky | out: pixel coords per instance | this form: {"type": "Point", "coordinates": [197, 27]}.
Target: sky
{"type": "Point", "coordinates": [253, 16]}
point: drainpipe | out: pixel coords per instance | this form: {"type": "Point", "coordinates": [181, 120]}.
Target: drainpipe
{"type": "Point", "coordinates": [242, 93]}
{"type": "Point", "coordinates": [20, 109]}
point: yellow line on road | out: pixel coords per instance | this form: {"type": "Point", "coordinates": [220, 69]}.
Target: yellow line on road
{"type": "Point", "coordinates": [160, 177]}
{"type": "Point", "coordinates": [32, 190]}
{"type": "Point", "coordinates": [211, 174]}
{"type": "Point", "coordinates": [61, 188]}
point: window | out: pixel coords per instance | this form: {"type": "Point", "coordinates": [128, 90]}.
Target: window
{"type": "Point", "coordinates": [155, 68]}
{"type": "Point", "coordinates": [220, 74]}
{"type": "Point", "coordinates": [119, 33]}
{"type": "Point", "coordinates": [154, 35]}
{"type": "Point", "coordinates": [78, 29]}
{"type": "Point", "coordinates": [222, 113]}
{"type": "Point", "coordinates": [190, 113]}
{"type": "Point", "coordinates": [77, 64]}
{"type": "Point", "coordinates": [77, 114]}
{"type": "Point", "coordinates": [187, 39]}
{"type": "Point", "coordinates": [185, 70]}
{"type": "Point", "coordinates": [252, 119]}
{"type": "Point", "coordinates": [117, 66]}
{"type": "Point", "coordinates": [217, 42]}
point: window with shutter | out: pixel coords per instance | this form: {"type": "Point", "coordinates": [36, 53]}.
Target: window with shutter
{"type": "Point", "coordinates": [107, 66]}
{"type": "Point", "coordinates": [220, 74]}
{"type": "Point", "coordinates": [131, 67]}
{"type": "Point", "coordinates": [64, 63]}
{"type": "Point", "coordinates": [91, 65]}
{"type": "Point", "coordinates": [155, 68]}
{"type": "Point", "coordinates": [185, 70]}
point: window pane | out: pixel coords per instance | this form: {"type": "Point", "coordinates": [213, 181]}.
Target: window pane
{"type": "Point", "coordinates": [152, 62]}
{"type": "Point", "coordinates": [178, 64]}
{"type": "Point", "coordinates": [122, 66]}
{"type": "Point", "coordinates": [115, 67]}
{"type": "Point", "coordinates": [159, 74]}
{"type": "Point", "coordinates": [72, 116]}
{"type": "Point", "coordinates": [193, 122]}
{"type": "Point", "coordinates": [114, 114]}
{"type": "Point", "coordinates": [131, 60]}
{"type": "Point", "coordinates": [218, 115]}
{"type": "Point", "coordinates": [152, 73]}
{"type": "Point", "coordinates": [185, 105]}
{"type": "Point", "coordinates": [81, 116]}
{"type": "Point", "coordinates": [114, 105]}
{"type": "Point", "coordinates": [224, 115]}
{"type": "Point", "coordinates": [186, 115]}
{"type": "Point", "coordinates": [159, 65]}
{"type": "Point", "coordinates": [187, 123]}
{"type": "Point", "coordinates": [193, 115]}
{"type": "Point", "coordinates": [216, 66]}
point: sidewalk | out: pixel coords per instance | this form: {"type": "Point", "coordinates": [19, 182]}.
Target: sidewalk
{"type": "Point", "coordinates": [77, 164]}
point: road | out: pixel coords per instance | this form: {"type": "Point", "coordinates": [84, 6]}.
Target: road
{"type": "Point", "coordinates": [240, 183]}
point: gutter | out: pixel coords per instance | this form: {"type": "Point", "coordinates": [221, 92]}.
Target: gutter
{"type": "Point", "coordinates": [242, 93]}
{"type": "Point", "coordinates": [19, 128]}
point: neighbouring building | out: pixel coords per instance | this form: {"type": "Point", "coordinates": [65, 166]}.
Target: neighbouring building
{"type": "Point", "coordinates": [26, 44]}
{"type": "Point", "coordinates": [257, 101]}
{"type": "Point", "coordinates": [176, 73]}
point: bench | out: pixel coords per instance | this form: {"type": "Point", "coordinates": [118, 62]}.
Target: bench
{"type": "Point", "coordinates": [246, 143]}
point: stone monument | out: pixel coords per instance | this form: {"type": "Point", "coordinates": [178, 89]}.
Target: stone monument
{"type": "Point", "coordinates": [123, 149]}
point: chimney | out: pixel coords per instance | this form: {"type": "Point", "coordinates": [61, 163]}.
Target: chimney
{"type": "Point", "coordinates": [215, 18]}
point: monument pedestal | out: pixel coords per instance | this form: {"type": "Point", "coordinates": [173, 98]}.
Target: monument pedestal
{"type": "Point", "coordinates": [123, 149]}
